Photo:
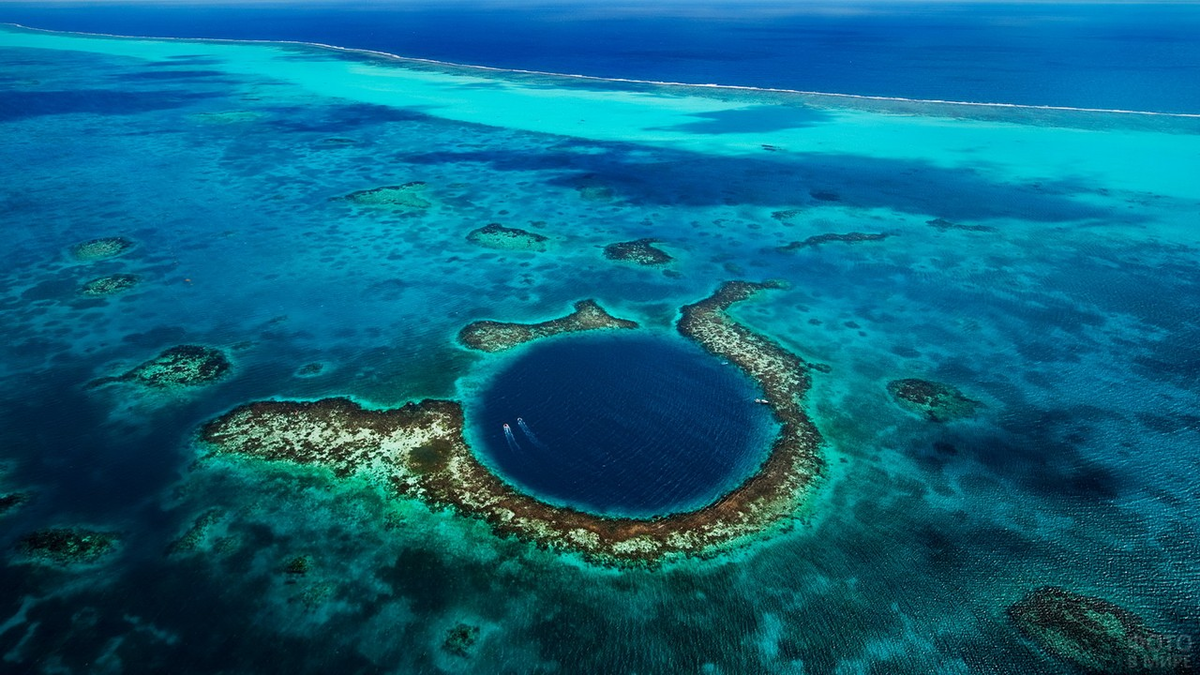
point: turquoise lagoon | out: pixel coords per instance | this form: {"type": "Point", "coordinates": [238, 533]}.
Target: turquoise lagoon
{"type": "Point", "coordinates": [1041, 260]}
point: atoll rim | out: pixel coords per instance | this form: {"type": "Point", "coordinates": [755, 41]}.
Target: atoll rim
{"type": "Point", "coordinates": [420, 450]}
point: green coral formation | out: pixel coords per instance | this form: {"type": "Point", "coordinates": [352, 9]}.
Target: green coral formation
{"type": "Point", "coordinates": [100, 249]}
{"type": "Point", "coordinates": [640, 251]}
{"type": "Point", "coordinates": [495, 235]}
{"type": "Point", "coordinates": [936, 401]}
{"type": "Point", "coordinates": [497, 336]}
{"type": "Point", "coordinates": [182, 366]}
{"type": "Point", "coordinates": [110, 285]}
{"type": "Point", "coordinates": [460, 639]}
{"type": "Point", "coordinates": [67, 546]}
{"type": "Point", "coordinates": [190, 541]}
{"type": "Point", "coordinates": [402, 197]}
{"type": "Point", "coordinates": [298, 566]}
{"type": "Point", "coordinates": [1094, 634]}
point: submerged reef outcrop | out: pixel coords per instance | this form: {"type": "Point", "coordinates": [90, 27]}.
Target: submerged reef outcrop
{"type": "Point", "coordinates": [1096, 635]}
{"type": "Point", "coordinates": [418, 450]}
{"type": "Point", "coordinates": [110, 285]}
{"type": "Point", "coordinates": [942, 224]}
{"type": "Point", "coordinates": [100, 249]}
{"type": "Point", "coordinates": [406, 196]}
{"type": "Point", "coordinates": [936, 401]}
{"type": "Point", "coordinates": [182, 366]}
{"type": "Point", "coordinates": [190, 541]}
{"type": "Point", "coordinates": [497, 236]}
{"type": "Point", "coordinates": [11, 501]}
{"type": "Point", "coordinates": [460, 639]}
{"type": "Point", "coordinates": [67, 546]}
{"type": "Point", "coordinates": [640, 251]}
{"type": "Point", "coordinates": [497, 336]}
{"type": "Point", "coordinates": [849, 238]}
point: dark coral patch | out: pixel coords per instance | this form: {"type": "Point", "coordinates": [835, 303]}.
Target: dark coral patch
{"type": "Point", "coordinates": [942, 224]}
{"type": "Point", "coordinates": [190, 540]}
{"type": "Point", "coordinates": [182, 366]}
{"type": "Point", "coordinates": [403, 197]}
{"type": "Point", "coordinates": [298, 566]}
{"type": "Point", "coordinates": [310, 369]}
{"type": "Point", "coordinates": [640, 251]}
{"type": "Point", "coordinates": [11, 501]}
{"type": "Point", "coordinates": [937, 401]}
{"type": "Point", "coordinates": [100, 249]}
{"type": "Point", "coordinates": [460, 639]}
{"type": "Point", "coordinates": [849, 238]}
{"type": "Point", "coordinates": [495, 235]}
{"type": "Point", "coordinates": [497, 336]}
{"type": "Point", "coordinates": [65, 546]}
{"type": "Point", "coordinates": [110, 285]}
{"type": "Point", "coordinates": [1094, 634]}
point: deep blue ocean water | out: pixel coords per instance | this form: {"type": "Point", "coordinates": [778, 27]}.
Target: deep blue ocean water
{"type": "Point", "coordinates": [623, 425]}
{"type": "Point", "coordinates": [1127, 56]}
{"type": "Point", "coordinates": [1045, 264]}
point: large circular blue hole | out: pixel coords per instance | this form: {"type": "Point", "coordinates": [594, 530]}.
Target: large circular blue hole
{"type": "Point", "coordinates": [621, 425]}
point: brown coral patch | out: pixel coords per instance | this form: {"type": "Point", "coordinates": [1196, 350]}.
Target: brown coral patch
{"type": "Point", "coordinates": [181, 366]}
{"type": "Point", "coordinates": [640, 251]}
{"type": "Point", "coordinates": [936, 401]}
{"type": "Point", "coordinates": [497, 336]}
{"type": "Point", "coordinates": [495, 235]}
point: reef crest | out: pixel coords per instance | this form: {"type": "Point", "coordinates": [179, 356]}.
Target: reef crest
{"type": "Point", "coordinates": [418, 450]}
{"type": "Point", "coordinates": [497, 336]}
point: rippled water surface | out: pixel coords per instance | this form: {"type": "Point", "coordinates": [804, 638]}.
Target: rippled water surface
{"type": "Point", "coordinates": [1042, 262]}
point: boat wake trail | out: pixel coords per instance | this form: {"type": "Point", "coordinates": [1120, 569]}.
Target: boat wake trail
{"type": "Point", "coordinates": [512, 441]}
{"type": "Point", "coordinates": [533, 439]}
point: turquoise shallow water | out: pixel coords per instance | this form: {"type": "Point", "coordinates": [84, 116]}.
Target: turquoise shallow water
{"type": "Point", "coordinates": [1041, 261]}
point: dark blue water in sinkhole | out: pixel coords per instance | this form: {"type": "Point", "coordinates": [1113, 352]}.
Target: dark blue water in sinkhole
{"type": "Point", "coordinates": [631, 426]}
